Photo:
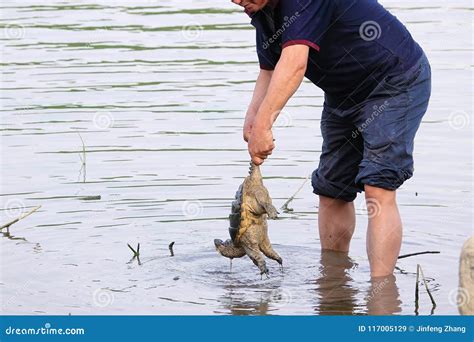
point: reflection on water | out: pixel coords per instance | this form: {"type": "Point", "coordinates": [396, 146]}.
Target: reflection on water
{"type": "Point", "coordinates": [123, 121]}
{"type": "Point", "coordinates": [383, 297]}
{"type": "Point", "coordinates": [235, 303]}
{"type": "Point", "coordinates": [336, 291]}
{"type": "Point", "coordinates": [339, 295]}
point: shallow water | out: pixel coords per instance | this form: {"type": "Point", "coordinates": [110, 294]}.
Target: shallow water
{"type": "Point", "coordinates": [157, 91]}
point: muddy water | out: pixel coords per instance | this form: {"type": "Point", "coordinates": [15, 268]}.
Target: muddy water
{"type": "Point", "coordinates": [157, 90]}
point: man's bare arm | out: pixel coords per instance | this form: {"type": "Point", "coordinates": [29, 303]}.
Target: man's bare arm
{"type": "Point", "coordinates": [260, 90]}
{"type": "Point", "coordinates": [286, 79]}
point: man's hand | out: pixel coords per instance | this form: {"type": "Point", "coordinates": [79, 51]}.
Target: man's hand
{"type": "Point", "coordinates": [260, 145]}
{"type": "Point", "coordinates": [283, 83]}
{"type": "Point", "coordinates": [248, 124]}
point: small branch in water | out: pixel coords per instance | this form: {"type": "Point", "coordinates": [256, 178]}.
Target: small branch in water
{"type": "Point", "coordinates": [136, 253]}
{"type": "Point", "coordinates": [171, 248]}
{"type": "Point", "coordinates": [285, 207]}
{"type": "Point", "coordinates": [22, 216]}
{"type": "Point", "coordinates": [419, 271]}
{"type": "Point", "coordinates": [90, 198]}
{"type": "Point", "coordinates": [418, 253]}
{"type": "Point", "coordinates": [427, 289]}
{"type": "Point", "coordinates": [417, 289]}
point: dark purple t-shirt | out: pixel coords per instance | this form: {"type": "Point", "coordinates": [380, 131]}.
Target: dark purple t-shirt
{"type": "Point", "coordinates": [354, 44]}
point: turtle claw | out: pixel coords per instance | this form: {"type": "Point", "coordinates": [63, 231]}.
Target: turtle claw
{"type": "Point", "coordinates": [264, 270]}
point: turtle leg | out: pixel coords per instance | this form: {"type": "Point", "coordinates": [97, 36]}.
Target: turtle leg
{"type": "Point", "coordinates": [254, 254]}
{"type": "Point", "coordinates": [267, 249]}
{"type": "Point", "coordinates": [264, 200]}
{"type": "Point", "coordinates": [271, 211]}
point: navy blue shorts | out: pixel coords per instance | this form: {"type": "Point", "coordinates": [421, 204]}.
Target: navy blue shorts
{"type": "Point", "coordinates": [372, 142]}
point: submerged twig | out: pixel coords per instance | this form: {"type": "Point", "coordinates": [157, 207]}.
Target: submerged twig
{"type": "Point", "coordinates": [285, 207]}
{"type": "Point", "coordinates": [419, 271]}
{"type": "Point", "coordinates": [90, 198]}
{"type": "Point", "coordinates": [170, 246]}
{"type": "Point", "coordinates": [417, 289]}
{"type": "Point", "coordinates": [22, 216]}
{"type": "Point", "coordinates": [427, 289]}
{"type": "Point", "coordinates": [136, 253]}
{"type": "Point", "coordinates": [418, 253]}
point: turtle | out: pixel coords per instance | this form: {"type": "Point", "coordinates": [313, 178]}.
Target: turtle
{"type": "Point", "coordinates": [248, 223]}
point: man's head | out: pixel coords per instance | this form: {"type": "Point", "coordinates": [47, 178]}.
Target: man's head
{"type": "Point", "coordinates": [251, 6]}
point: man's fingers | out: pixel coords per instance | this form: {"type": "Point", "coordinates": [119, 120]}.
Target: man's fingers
{"type": "Point", "coordinates": [270, 150]}
{"type": "Point", "coordinates": [266, 151]}
{"type": "Point", "coordinates": [246, 136]}
{"type": "Point", "coordinates": [256, 160]}
{"type": "Point", "coordinates": [261, 155]}
{"type": "Point", "coordinates": [260, 150]}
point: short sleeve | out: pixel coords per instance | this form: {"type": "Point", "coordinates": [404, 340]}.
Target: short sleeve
{"type": "Point", "coordinates": [267, 51]}
{"type": "Point", "coordinates": [305, 21]}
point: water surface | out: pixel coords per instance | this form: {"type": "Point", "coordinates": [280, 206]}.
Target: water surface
{"type": "Point", "coordinates": [157, 91]}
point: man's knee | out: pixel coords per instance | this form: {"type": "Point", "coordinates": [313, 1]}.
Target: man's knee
{"type": "Point", "coordinates": [379, 194]}
{"type": "Point", "coordinates": [328, 202]}
{"type": "Point", "coordinates": [336, 218]}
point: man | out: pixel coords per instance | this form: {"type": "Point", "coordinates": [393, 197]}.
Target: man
{"type": "Point", "coordinates": [377, 84]}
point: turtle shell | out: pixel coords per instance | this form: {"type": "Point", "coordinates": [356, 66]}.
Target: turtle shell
{"type": "Point", "coordinates": [235, 215]}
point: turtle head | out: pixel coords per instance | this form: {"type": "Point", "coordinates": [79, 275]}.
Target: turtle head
{"type": "Point", "coordinates": [218, 243]}
{"type": "Point", "coordinates": [228, 249]}
{"type": "Point", "coordinates": [220, 246]}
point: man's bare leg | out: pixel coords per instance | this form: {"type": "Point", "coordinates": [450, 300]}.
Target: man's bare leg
{"type": "Point", "coordinates": [336, 220]}
{"type": "Point", "coordinates": [384, 234]}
